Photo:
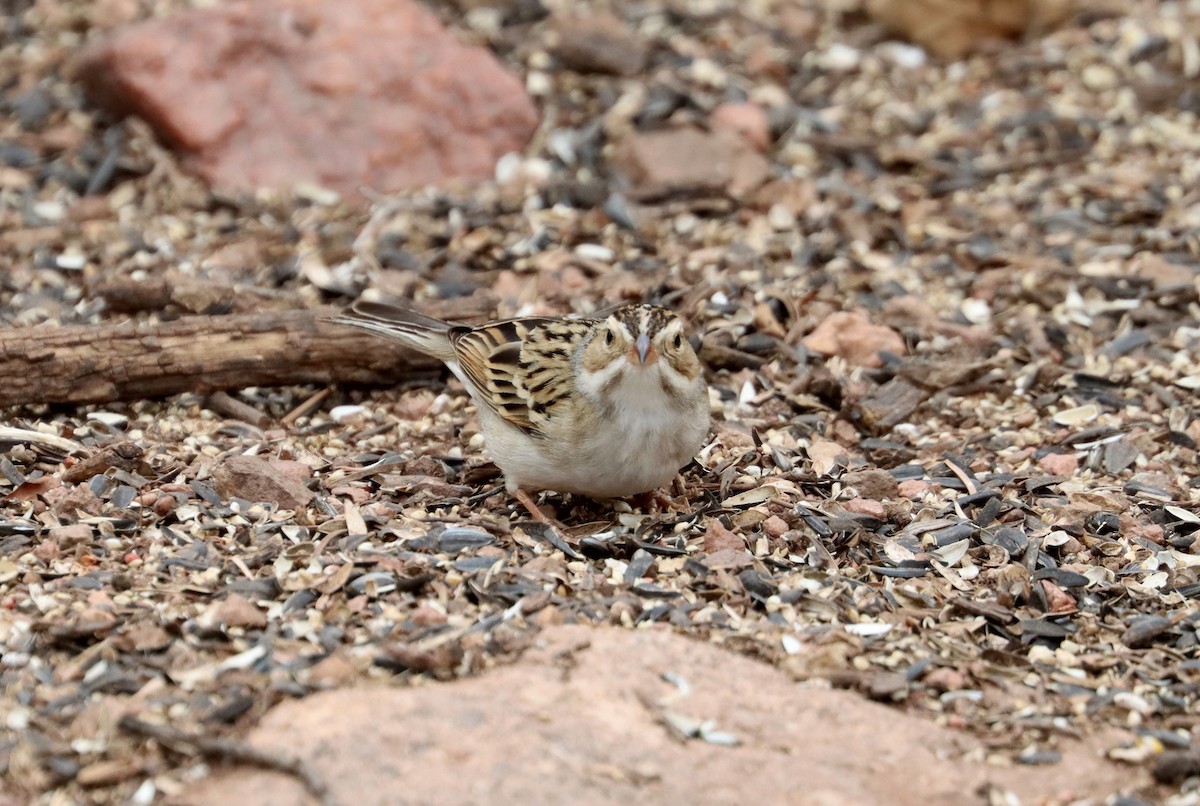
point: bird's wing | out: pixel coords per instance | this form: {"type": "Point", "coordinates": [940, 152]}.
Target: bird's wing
{"type": "Point", "coordinates": [521, 367]}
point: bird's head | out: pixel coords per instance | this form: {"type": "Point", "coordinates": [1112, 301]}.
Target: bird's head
{"type": "Point", "coordinates": [637, 356]}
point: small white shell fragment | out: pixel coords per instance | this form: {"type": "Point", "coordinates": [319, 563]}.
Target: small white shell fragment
{"type": "Point", "coordinates": [1078, 415]}
{"type": "Point", "coordinates": [144, 795]}
{"type": "Point", "coordinates": [507, 167]}
{"type": "Point", "coordinates": [595, 251]}
{"type": "Point", "coordinates": [243, 660]}
{"type": "Point", "coordinates": [976, 311]}
{"type": "Point", "coordinates": [678, 681]}
{"type": "Point", "coordinates": [897, 552]}
{"type": "Point", "coordinates": [538, 83]}
{"type": "Point", "coordinates": [317, 194]}
{"type": "Point", "coordinates": [17, 719]}
{"type": "Point", "coordinates": [1137, 753]}
{"type": "Point", "coordinates": [1132, 702]}
{"type": "Point", "coordinates": [951, 554]}
{"type": "Point", "coordinates": [109, 418]}
{"type": "Point", "coordinates": [686, 726]}
{"type": "Point", "coordinates": [905, 56]}
{"type": "Point", "coordinates": [868, 629]}
{"type": "Point", "coordinates": [1184, 560]}
{"type": "Point", "coordinates": [781, 218]}
{"type": "Point", "coordinates": [186, 512]}
{"type": "Point", "coordinates": [691, 728]}
{"type": "Point", "coordinates": [791, 644]}
{"type": "Point", "coordinates": [1179, 513]}
{"type": "Point", "coordinates": [1189, 382]}
{"type": "Point", "coordinates": [709, 73]}
{"type": "Point", "coordinates": [342, 413]}
{"type": "Point", "coordinates": [50, 210]}
{"type": "Point", "coordinates": [711, 735]}
{"type": "Point", "coordinates": [562, 145]}
{"type": "Point", "coordinates": [758, 495]}
{"type": "Point", "coordinates": [71, 260]}
{"type": "Point", "coordinates": [747, 394]}
{"type": "Point", "coordinates": [840, 58]}
{"type": "Point", "coordinates": [1056, 538]}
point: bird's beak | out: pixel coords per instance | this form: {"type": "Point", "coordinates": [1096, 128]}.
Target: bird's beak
{"type": "Point", "coordinates": [643, 347]}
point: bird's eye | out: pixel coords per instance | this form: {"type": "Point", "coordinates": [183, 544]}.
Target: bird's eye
{"type": "Point", "coordinates": [677, 342]}
{"type": "Point", "coordinates": [608, 337]}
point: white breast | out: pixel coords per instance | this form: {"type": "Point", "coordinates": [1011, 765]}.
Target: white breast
{"type": "Point", "coordinates": [638, 448]}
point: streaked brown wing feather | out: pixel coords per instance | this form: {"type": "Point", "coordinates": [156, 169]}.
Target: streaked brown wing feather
{"type": "Point", "coordinates": [524, 366]}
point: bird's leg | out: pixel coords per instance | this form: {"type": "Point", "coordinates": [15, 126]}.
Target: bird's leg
{"type": "Point", "coordinates": [554, 530]}
{"type": "Point", "coordinates": [534, 509]}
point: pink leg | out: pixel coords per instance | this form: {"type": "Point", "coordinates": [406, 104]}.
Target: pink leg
{"type": "Point", "coordinates": [534, 509]}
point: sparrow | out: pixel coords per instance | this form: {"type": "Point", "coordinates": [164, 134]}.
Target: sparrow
{"type": "Point", "coordinates": [606, 408]}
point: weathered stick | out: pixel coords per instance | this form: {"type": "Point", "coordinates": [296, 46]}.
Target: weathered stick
{"type": "Point", "coordinates": [124, 294]}
{"type": "Point", "coordinates": [203, 354]}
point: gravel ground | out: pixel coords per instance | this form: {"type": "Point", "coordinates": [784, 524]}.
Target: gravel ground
{"type": "Point", "coordinates": [994, 524]}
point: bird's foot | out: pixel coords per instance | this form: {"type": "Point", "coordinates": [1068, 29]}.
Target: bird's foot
{"type": "Point", "coordinates": [555, 530]}
{"type": "Point", "coordinates": [657, 501]}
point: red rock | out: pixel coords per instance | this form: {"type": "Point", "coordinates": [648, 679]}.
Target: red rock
{"type": "Point", "coordinates": [142, 636]}
{"type": "Point", "coordinates": [274, 93]}
{"type": "Point", "coordinates": [1165, 275]}
{"type": "Point", "coordinates": [426, 616]}
{"type": "Point", "coordinates": [331, 672]}
{"type": "Point", "coordinates": [850, 335]}
{"type": "Point", "coordinates": [746, 120]}
{"type": "Point", "coordinates": [291, 469]}
{"type": "Point", "coordinates": [97, 619]}
{"type": "Point", "coordinates": [944, 678]}
{"type": "Point", "coordinates": [234, 611]}
{"type": "Point", "coordinates": [825, 455]}
{"type": "Point", "coordinates": [599, 43]}
{"type": "Point", "coordinates": [775, 526]}
{"type": "Point", "coordinates": [253, 478]}
{"type": "Point", "coordinates": [794, 195]}
{"type": "Point", "coordinates": [70, 536]}
{"type": "Point", "coordinates": [358, 495]}
{"type": "Point", "coordinates": [687, 160]}
{"type": "Point", "coordinates": [1059, 464]}
{"type": "Point", "coordinates": [864, 506]}
{"type": "Point", "coordinates": [718, 538]}
{"type": "Point", "coordinates": [913, 488]}
{"type": "Point", "coordinates": [504, 736]}
{"type": "Point", "coordinates": [730, 558]}
{"type": "Point", "coordinates": [47, 550]}
{"type": "Point", "coordinates": [1132, 528]}
{"type": "Point", "coordinates": [1057, 599]}
{"type": "Point", "coordinates": [875, 484]}
{"type": "Point", "coordinates": [71, 501]}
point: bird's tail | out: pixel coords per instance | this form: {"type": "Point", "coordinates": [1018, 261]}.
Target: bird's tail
{"type": "Point", "coordinates": [414, 330]}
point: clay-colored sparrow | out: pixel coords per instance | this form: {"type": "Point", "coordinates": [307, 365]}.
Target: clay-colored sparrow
{"type": "Point", "coordinates": [605, 408]}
